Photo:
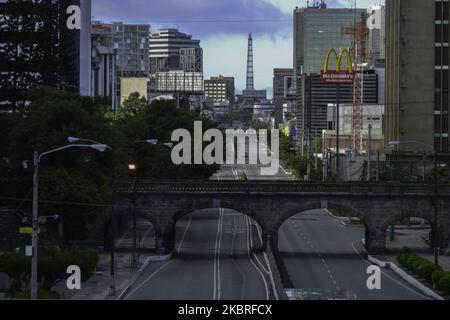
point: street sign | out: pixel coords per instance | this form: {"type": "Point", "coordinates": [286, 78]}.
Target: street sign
{"type": "Point", "coordinates": [26, 230]}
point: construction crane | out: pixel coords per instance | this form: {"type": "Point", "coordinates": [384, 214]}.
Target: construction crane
{"type": "Point", "coordinates": [359, 32]}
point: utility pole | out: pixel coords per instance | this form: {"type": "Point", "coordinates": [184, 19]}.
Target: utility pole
{"type": "Point", "coordinates": [35, 225]}
{"type": "Point", "coordinates": [316, 161]}
{"type": "Point", "coordinates": [436, 211]}
{"type": "Point", "coordinates": [378, 165]}
{"type": "Point", "coordinates": [369, 155]}
{"type": "Point", "coordinates": [337, 129]}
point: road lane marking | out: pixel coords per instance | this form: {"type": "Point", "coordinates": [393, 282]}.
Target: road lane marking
{"type": "Point", "coordinates": [386, 275]}
{"type": "Point", "coordinates": [251, 260]}
{"type": "Point", "coordinates": [217, 281]}
{"type": "Point", "coordinates": [184, 234]}
{"type": "Point", "coordinates": [148, 279]}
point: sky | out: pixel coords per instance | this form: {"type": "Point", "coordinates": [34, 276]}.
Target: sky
{"type": "Point", "coordinates": [223, 27]}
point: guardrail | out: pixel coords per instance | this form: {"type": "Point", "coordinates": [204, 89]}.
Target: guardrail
{"type": "Point", "coordinates": [282, 187]}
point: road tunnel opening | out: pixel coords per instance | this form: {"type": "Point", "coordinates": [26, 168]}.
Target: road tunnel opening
{"type": "Point", "coordinates": [316, 250]}
{"type": "Point", "coordinates": [211, 232]}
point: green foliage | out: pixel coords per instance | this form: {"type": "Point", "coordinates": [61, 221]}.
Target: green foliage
{"type": "Point", "coordinates": [43, 294]}
{"type": "Point", "coordinates": [444, 283]}
{"type": "Point", "coordinates": [82, 175]}
{"type": "Point", "coordinates": [52, 266]}
{"type": "Point", "coordinates": [420, 266]}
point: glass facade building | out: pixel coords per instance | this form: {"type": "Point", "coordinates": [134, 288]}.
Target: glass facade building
{"type": "Point", "coordinates": [316, 30]}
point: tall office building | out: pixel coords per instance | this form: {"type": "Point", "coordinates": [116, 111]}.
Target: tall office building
{"type": "Point", "coordinates": [170, 50]}
{"type": "Point", "coordinates": [376, 48]}
{"type": "Point", "coordinates": [318, 29]}
{"type": "Point", "coordinates": [314, 96]}
{"type": "Point", "coordinates": [191, 59]}
{"type": "Point", "coordinates": [417, 76]}
{"type": "Point", "coordinates": [130, 43]}
{"type": "Point", "coordinates": [60, 59]}
{"type": "Point", "coordinates": [220, 89]}
{"type": "Point", "coordinates": [280, 77]}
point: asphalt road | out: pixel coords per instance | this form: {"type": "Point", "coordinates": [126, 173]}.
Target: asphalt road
{"type": "Point", "coordinates": [324, 261]}
{"type": "Point", "coordinates": [213, 262]}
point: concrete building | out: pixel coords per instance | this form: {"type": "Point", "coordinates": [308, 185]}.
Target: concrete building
{"type": "Point", "coordinates": [417, 77]}
{"type": "Point", "coordinates": [129, 85]}
{"type": "Point", "coordinates": [318, 29]}
{"type": "Point", "coordinates": [282, 86]}
{"type": "Point", "coordinates": [169, 50]}
{"type": "Point", "coordinates": [313, 98]}
{"type": "Point", "coordinates": [104, 74]}
{"type": "Point", "coordinates": [372, 115]}
{"type": "Point", "coordinates": [191, 59]}
{"type": "Point", "coordinates": [220, 89]}
{"type": "Point", "coordinates": [376, 48]}
{"type": "Point", "coordinates": [130, 41]}
{"type": "Point", "coordinates": [179, 82]}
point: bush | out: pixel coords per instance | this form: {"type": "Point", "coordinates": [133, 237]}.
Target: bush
{"type": "Point", "coordinates": [444, 283]}
{"type": "Point", "coordinates": [426, 270]}
{"type": "Point", "coordinates": [42, 295]}
{"type": "Point", "coordinates": [436, 277]}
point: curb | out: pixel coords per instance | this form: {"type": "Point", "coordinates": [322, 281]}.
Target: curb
{"type": "Point", "coordinates": [141, 269]}
{"type": "Point", "coordinates": [342, 222]}
{"type": "Point", "coordinates": [405, 276]}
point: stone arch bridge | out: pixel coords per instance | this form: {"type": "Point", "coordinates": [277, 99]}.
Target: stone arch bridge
{"type": "Point", "coordinates": [271, 203]}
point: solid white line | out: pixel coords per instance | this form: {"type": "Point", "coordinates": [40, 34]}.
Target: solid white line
{"type": "Point", "coordinates": [252, 262]}
{"type": "Point", "coordinates": [215, 259]}
{"type": "Point", "coordinates": [148, 279]}
{"type": "Point", "coordinates": [184, 234]}
{"type": "Point", "coordinates": [260, 238]}
{"type": "Point", "coordinates": [388, 276]}
{"type": "Point", "coordinates": [219, 289]}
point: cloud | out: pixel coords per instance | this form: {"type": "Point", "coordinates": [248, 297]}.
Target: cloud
{"type": "Point", "coordinates": [202, 18]}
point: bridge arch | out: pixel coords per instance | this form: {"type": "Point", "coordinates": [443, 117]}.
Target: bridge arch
{"type": "Point", "coordinates": [315, 205]}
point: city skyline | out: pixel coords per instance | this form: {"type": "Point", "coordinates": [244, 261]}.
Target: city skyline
{"type": "Point", "coordinates": [225, 38]}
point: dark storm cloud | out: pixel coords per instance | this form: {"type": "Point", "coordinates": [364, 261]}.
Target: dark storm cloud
{"type": "Point", "coordinates": [198, 17]}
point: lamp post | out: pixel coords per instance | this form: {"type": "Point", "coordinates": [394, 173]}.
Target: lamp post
{"type": "Point", "coordinates": [132, 167]}
{"type": "Point", "coordinates": [436, 195]}
{"type": "Point", "coordinates": [35, 223]}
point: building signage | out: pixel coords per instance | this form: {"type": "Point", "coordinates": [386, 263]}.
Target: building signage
{"type": "Point", "coordinates": [337, 75]}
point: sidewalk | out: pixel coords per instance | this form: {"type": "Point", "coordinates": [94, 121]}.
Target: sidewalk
{"type": "Point", "coordinates": [98, 286]}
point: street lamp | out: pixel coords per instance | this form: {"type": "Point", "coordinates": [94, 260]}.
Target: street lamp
{"type": "Point", "coordinates": [36, 220]}
{"type": "Point", "coordinates": [436, 195]}
{"type": "Point", "coordinates": [132, 167]}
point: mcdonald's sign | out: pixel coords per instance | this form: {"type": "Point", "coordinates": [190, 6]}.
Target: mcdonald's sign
{"type": "Point", "coordinates": [337, 75]}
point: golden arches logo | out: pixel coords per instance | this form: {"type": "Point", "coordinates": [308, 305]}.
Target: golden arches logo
{"type": "Point", "coordinates": [337, 75]}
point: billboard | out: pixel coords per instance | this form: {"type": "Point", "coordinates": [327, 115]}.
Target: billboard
{"type": "Point", "coordinates": [337, 75]}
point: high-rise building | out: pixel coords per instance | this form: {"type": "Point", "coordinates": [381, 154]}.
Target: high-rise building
{"type": "Point", "coordinates": [191, 59]}
{"type": "Point", "coordinates": [417, 76]}
{"type": "Point", "coordinates": [318, 29]}
{"type": "Point", "coordinates": [168, 51]}
{"type": "Point", "coordinates": [220, 89]}
{"type": "Point", "coordinates": [59, 59]}
{"type": "Point", "coordinates": [104, 74]}
{"type": "Point", "coordinates": [314, 96]}
{"type": "Point", "coordinates": [376, 49]}
{"type": "Point", "coordinates": [130, 42]}
{"type": "Point", "coordinates": [280, 77]}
